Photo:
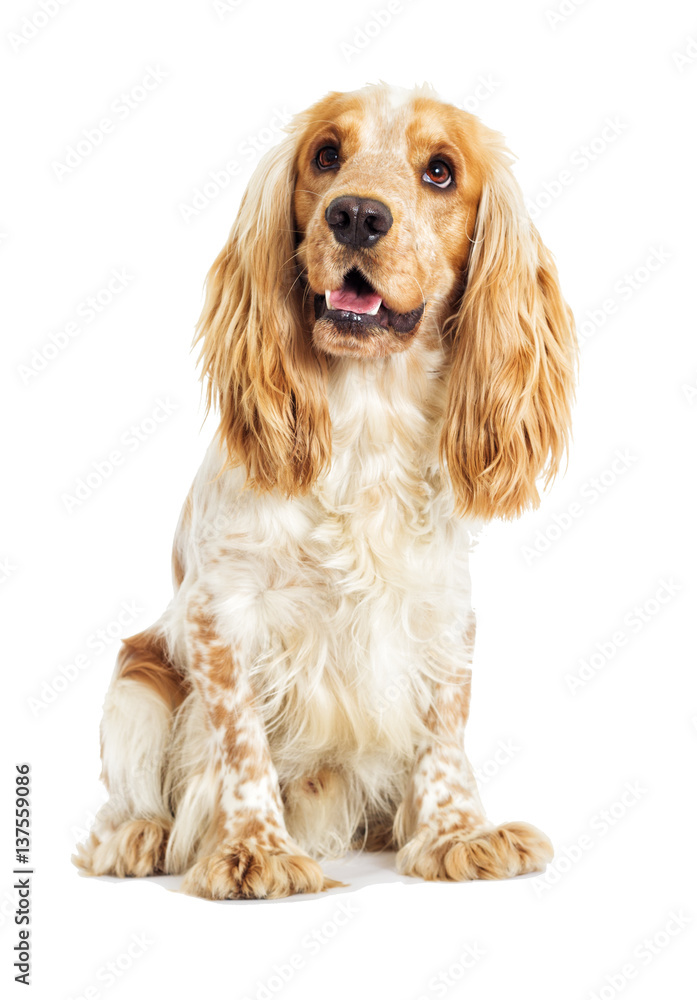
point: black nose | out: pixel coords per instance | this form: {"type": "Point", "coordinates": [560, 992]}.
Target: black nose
{"type": "Point", "coordinates": [358, 222]}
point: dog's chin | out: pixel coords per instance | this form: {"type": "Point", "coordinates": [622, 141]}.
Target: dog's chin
{"type": "Point", "coordinates": [343, 333]}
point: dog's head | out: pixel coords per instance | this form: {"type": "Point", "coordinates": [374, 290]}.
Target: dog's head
{"type": "Point", "coordinates": [385, 204]}
{"type": "Point", "coordinates": [384, 217]}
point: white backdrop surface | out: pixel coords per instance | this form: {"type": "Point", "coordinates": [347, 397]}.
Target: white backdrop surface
{"type": "Point", "coordinates": [130, 130]}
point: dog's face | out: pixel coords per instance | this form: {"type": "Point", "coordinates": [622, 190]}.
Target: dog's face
{"type": "Point", "coordinates": [385, 222]}
{"type": "Point", "coordinates": [385, 204]}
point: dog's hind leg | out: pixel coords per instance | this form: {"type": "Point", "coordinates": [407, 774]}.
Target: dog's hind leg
{"type": "Point", "coordinates": [130, 831]}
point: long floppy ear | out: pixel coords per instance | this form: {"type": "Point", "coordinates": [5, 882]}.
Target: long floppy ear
{"type": "Point", "coordinates": [514, 357]}
{"type": "Point", "coordinates": [256, 356]}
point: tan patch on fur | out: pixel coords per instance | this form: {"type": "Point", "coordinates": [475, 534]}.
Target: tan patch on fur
{"type": "Point", "coordinates": [212, 656]}
{"type": "Point", "coordinates": [214, 663]}
{"type": "Point", "coordinates": [144, 658]}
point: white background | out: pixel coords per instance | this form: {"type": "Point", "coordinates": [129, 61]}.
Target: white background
{"type": "Point", "coordinates": [547, 754]}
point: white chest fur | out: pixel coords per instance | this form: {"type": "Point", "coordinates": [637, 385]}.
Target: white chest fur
{"type": "Point", "coordinates": [345, 604]}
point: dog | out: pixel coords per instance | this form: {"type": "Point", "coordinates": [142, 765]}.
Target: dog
{"type": "Point", "coordinates": [393, 363]}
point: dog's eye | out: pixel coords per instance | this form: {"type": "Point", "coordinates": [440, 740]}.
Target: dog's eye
{"type": "Point", "coordinates": [327, 158]}
{"type": "Point", "coordinates": [438, 173]}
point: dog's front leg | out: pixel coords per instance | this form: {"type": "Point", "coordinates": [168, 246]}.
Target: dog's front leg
{"type": "Point", "coordinates": [442, 819]}
{"type": "Point", "coordinates": [249, 852]}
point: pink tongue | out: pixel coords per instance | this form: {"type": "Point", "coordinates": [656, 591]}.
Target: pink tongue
{"type": "Point", "coordinates": [352, 301]}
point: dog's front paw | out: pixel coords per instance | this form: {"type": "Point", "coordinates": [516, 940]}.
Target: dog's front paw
{"type": "Point", "coordinates": [243, 870]}
{"type": "Point", "coordinates": [460, 856]}
{"type": "Point", "coordinates": [135, 848]}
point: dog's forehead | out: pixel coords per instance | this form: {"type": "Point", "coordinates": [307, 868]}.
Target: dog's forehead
{"type": "Point", "coordinates": [383, 117]}
{"type": "Point", "coordinates": [388, 119]}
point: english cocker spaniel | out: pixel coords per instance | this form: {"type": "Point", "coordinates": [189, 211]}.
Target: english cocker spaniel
{"type": "Point", "coordinates": [393, 363]}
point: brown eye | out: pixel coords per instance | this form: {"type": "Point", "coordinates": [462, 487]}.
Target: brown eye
{"type": "Point", "coordinates": [438, 173]}
{"type": "Point", "coordinates": [327, 157]}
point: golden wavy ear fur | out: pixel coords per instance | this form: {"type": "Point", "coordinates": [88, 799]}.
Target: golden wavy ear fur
{"type": "Point", "coordinates": [259, 366]}
{"type": "Point", "coordinates": [514, 357]}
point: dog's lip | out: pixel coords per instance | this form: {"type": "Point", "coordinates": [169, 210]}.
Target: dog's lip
{"type": "Point", "coordinates": [363, 311]}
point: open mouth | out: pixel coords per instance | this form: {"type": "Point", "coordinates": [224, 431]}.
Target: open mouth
{"type": "Point", "coordinates": [358, 308]}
